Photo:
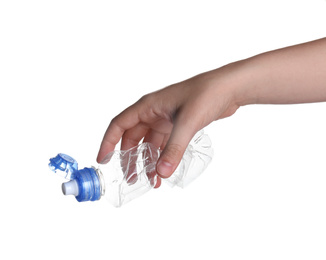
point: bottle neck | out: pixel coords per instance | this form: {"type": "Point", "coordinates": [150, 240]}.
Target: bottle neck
{"type": "Point", "coordinates": [89, 185]}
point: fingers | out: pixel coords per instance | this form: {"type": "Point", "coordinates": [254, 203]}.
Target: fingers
{"type": "Point", "coordinates": [126, 120]}
{"type": "Point", "coordinates": [158, 182]}
{"type": "Point", "coordinates": [182, 133]}
{"type": "Point", "coordinates": [158, 140]}
{"type": "Point", "coordinates": [130, 139]}
{"type": "Point", "coordinates": [165, 141]}
{"type": "Point", "coordinates": [154, 138]}
{"type": "Point", "coordinates": [128, 165]}
{"type": "Point", "coordinates": [132, 136]}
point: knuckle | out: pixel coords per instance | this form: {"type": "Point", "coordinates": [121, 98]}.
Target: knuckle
{"type": "Point", "coordinates": [145, 99]}
{"type": "Point", "coordinates": [114, 121]}
{"type": "Point", "coordinates": [150, 98]}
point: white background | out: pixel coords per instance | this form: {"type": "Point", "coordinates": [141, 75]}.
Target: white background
{"type": "Point", "coordinates": [68, 67]}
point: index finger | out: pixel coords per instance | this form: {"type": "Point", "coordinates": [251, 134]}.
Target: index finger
{"type": "Point", "coordinates": [124, 121]}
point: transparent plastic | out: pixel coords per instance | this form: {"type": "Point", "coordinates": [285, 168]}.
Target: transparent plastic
{"type": "Point", "coordinates": [125, 175]}
{"type": "Point", "coordinates": [128, 174]}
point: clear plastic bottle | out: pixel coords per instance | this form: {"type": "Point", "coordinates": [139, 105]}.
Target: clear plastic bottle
{"type": "Point", "coordinates": [125, 175]}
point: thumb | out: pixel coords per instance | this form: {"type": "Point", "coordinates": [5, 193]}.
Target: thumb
{"type": "Point", "coordinates": [172, 154]}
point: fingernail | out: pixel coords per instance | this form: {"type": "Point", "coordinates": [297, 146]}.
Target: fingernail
{"type": "Point", "coordinates": [164, 169]}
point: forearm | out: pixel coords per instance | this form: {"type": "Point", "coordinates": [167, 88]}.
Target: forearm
{"type": "Point", "coordinates": [295, 74]}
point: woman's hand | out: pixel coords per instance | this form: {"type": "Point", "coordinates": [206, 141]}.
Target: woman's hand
{"type": "Point", "coordinates": [170, 117]}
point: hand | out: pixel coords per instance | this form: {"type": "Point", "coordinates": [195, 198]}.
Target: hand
{"type": "Point", "coordinates": [170, 117]}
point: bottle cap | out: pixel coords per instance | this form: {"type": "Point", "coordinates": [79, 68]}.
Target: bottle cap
{"type": "Point", "coordinates": [64, 165]}
{"type": "Point", "coordinates": [84, 184]}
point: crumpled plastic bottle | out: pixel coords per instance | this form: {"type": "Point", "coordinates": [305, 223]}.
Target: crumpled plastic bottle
{"type": "Point", "coordinates": [125, 175]}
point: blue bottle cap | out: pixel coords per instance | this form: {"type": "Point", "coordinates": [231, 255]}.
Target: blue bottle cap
{"type": "Point", "coordinates": [84, 184]}
{"type": "Point", "coordinates": [64, 165]}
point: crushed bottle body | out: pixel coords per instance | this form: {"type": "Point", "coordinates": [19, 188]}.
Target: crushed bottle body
{"type": "Point", "coordinates": [125, 175]}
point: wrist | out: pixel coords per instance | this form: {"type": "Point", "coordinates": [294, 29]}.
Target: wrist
{"type": "Point", "coordinates": [238, 78]}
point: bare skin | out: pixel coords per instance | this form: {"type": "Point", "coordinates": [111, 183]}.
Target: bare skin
{"type": "Point", "coordinates": [170, 117]}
